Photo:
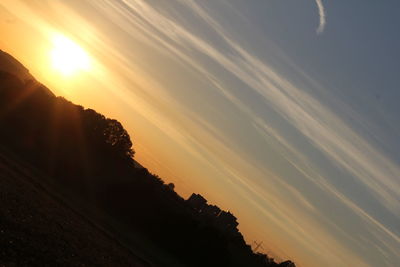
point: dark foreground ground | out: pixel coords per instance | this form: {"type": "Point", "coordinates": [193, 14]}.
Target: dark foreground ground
{"type": "Point", "coordinates": [38, 229]}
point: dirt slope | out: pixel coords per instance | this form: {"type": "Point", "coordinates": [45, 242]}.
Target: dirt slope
{"type": "Point", "coordinates": [36, 229]}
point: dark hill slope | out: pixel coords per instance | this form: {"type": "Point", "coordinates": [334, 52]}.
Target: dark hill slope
{"type": "Point", "coordinates": [37, 229]}
{"type": "Point", "coordinates": [13, 66]}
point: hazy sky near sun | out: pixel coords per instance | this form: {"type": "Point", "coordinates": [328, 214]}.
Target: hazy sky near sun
{"type": "Point", "coordinates": [285, 112]}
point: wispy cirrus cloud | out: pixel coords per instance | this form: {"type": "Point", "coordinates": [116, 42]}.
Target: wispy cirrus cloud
{"type": "Point", "coordinates": [322, 16]}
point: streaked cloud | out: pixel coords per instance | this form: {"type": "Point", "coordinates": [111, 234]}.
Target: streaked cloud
{"type": "Point", "coordinates": [322, 17]}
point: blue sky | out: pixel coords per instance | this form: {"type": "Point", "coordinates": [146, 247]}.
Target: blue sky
{"type": "Point", "coordinates": [284, 112]}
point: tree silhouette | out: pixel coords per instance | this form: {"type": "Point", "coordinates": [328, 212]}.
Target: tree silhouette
{"type": "Point", "coordinates": [107, 133]}
{"type": "Point", "coordinates": [118, 138]}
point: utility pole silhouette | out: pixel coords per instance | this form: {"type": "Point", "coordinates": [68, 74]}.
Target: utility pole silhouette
{"type": "Point", "coordinates": [257, 245]}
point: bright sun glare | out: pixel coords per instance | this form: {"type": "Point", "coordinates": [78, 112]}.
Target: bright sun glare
{"type": "Point", "coordinates": [68, 57]}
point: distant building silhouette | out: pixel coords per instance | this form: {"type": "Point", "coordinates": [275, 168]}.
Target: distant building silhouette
{"type": "Point", "coordinates": [211, 210]}
{"type": "Point", "coordinates": [197, 202]}
{"type": "Point", "coordinates": [287, 264]}
{"type": "Point", "coordinates": [225, 221]}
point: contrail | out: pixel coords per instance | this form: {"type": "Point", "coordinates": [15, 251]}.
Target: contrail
{"type": "Point", "coordinates": [322, 17]}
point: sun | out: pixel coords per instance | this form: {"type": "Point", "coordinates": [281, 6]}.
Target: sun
{"type": "Point", "coordinates": [67, 57]}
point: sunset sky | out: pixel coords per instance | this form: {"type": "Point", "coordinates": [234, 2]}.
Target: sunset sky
{"type": "Point", "coordinates": [284, 112]}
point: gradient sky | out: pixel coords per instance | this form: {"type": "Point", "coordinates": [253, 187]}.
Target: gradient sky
{"type": "Point", "coordinates": [284, 112]}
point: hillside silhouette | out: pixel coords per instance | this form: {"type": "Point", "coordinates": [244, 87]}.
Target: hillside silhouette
{"type": "Point", "coordinates": [87, 160]}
